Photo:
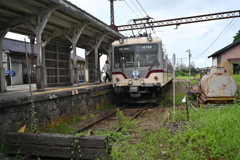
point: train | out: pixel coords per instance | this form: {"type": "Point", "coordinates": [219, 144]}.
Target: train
{"type": "Point", "coordinates": [140, 68]}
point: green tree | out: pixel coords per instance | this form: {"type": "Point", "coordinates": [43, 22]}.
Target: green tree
{"type": "Point", "coordinates": [237, 36]}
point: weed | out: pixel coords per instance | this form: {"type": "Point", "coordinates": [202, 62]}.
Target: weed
{"type": "Point", "coordinates": [237, 80]}
{"type": "Point", "coordinates": [65, 127]}
{"type": "Point", "coordinates": [2, 149]}
{"type": "Point", "coordinates": [169, 100]}
{"type": "Point", "coordinates": [33, 126]}
{"type": "Point", "coordinates": [121, 118]}
{"type": "Point", "coordinates": [210, 135]}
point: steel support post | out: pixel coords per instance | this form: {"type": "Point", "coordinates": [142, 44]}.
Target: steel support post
{"type": "Point", "coordinates": [41, 21]}
{"type": "Point", "coordinates": [75, 67]}
{"type": "Point", "coordinates": [3, 87]}
{"type": "Point", "coordinates": [39, 67]}
{"type": "Point", "coordinates": [77, 31]}
{"type": "Point", "coordinates": [109, 56]}
{"type": "Point", "coordinates": [97, 68]}
{"type": "Point", "coordinates": [86, 67]}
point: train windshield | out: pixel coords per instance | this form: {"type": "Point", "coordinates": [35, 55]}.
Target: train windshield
{"type": "Point", "coordinates": [135, 55]}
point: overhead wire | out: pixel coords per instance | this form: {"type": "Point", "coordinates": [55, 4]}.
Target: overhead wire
{"type": "Point", "coordinates": [131, 9]}
{"type": "Point", "coordinates": [137, 8]}
{"type": "Point", "coordinates": [229, 28]}
{"type": "Point", "coordinates": [142, 8]}
{"type": "Point", "coordinates": [180, 6]}
{"type": "Point", "coordinates": [215, 39]}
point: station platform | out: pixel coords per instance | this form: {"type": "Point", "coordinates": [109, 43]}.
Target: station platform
{"type": "Point", "coordinates": [18, 91]}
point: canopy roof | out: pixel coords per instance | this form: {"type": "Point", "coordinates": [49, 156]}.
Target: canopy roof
{"type": "Point", "coordinates": [67, 16]}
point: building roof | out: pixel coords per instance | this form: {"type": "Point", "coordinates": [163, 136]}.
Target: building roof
{"type": "Point", "coordinates": [225, 48]}
{"type": "Point", "coordinates": [18, 47]}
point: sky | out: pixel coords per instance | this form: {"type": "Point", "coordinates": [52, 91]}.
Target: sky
{"type": "Point", "coordinates": [202, 38]}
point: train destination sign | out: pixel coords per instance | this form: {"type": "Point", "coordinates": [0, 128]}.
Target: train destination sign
{"type": "Point", "coordinates": [146, 47]}
{"type": "Point", "coordinates": [142, 47]}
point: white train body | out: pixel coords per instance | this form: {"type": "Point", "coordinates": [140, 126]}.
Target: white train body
{"type": "Point", "coordinates": [139, 67]}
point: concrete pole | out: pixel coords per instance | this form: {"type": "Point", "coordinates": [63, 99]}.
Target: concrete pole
{"type": "Point", "coordinates": [189, 56]}
{"type": "Point", "coordinates": [174, 107]}
{"type": "Point", "coordinates": [166, 65]}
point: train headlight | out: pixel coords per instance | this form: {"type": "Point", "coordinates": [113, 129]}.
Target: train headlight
{"type": "Point", "coordinates": [130, 82]}
{"type": "Point", "coordinates": [142, 82]}
{"type": "Point", "coordinates": [121, 41]}
{"type": "Point", "coordinates": [149, 38]}
{"type": "Point", "coordinates": [156, 78]}
{"type": "Point", "coordinates": [117, 79]}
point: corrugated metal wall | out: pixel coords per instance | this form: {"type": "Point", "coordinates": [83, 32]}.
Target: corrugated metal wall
{"type": "Point", "coordinates": [91, 66]}
{"type": "Point", "coordinates": [57, 64]}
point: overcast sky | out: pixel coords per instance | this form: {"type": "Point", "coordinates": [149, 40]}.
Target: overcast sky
{"type": "Point", "coordinates": [196, 36]}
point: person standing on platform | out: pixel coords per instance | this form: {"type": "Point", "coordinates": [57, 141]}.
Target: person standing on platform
{"type": "Point", "coordinates": [106, 70]}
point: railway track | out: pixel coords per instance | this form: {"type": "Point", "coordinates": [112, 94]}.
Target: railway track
{"type": "Point", "coordinates": [108, 122]}
{"type": "Point", "coordinates": [111, 121]}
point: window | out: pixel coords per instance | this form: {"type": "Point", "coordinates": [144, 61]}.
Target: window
{"type": "Point", "coordinates": [135, 56]}
{"type": "Point", "coordinates": [124, 57]}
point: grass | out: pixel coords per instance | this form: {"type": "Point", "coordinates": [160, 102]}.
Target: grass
{"type": "Point", "coordinates": [237, 79]}
{"type": "Point", "coordinates": [194, 80]}
{"type": "Point", "coordinates": [168, 100]}
{"type": "Point", "coordinates": [69, 126]}
{"type": "Point", "coordinates": [210, 134]}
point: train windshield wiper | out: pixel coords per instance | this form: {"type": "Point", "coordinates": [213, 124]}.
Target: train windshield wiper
{"type": "Point", "coordinates": [153, 64]}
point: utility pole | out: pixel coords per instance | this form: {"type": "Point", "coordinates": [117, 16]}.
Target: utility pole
{"type": "Point", "coordinates": [174, 107]}
{"type": "Point", "coordinates": [181, 61]}
{"type": "Point", "coordinates": [189, 56]}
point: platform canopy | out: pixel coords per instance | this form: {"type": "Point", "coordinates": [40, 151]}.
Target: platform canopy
{"type": "Point", "coordinates": [57, 21]}
{"type": "Point", "coordinates": [20, 15]}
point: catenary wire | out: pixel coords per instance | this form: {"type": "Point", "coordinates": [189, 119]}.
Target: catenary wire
{"type": "Point", "coordinates": [229, 28]}
{"type": "Point", "coordinates": [215, 39]}
{"type": "Point", "coordinates": [142, 8]}
{"type": "Point", "coordinates": [131, 9]}
{"type": "Point", "coordinates": [136, 7]}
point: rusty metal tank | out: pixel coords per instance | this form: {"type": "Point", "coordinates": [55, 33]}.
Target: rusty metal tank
{"type": "Point", "coordinates": [218, 84]}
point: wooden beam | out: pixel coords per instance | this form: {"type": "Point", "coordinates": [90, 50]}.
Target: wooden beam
{"type": "Point", "coordinates": [57, 145]}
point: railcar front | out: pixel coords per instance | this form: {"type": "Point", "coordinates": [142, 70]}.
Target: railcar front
{"type": "Point", "coordinates": [138, 67]}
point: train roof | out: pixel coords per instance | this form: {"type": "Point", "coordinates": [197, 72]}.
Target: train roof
{"type": "Point", "coordinates": [136, 40]}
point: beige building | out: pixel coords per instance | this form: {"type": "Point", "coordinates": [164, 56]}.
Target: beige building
{"type": "Point", "coordinates": [229, 55]}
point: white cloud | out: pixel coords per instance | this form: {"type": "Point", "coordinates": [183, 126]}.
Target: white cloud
{"type": "Point", "coordinates": [203, 62]}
